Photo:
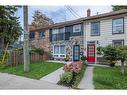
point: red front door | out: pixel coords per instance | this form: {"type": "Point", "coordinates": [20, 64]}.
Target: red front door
{"type": "Point", "coordinates": [91, 53]}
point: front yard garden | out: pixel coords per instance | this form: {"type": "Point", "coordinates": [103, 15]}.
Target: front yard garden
{"type": "Point", "coordinates": [109, 78]}
{"type": "Point", "coordinates": [73, 74]}
{"type": "Point", "coordinates": [37, 69]}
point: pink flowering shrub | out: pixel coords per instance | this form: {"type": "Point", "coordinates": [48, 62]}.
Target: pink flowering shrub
{"type": "Point", "coordinates": [73, 67]}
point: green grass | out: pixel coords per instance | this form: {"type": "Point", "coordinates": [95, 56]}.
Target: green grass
{"type": "Point", "coordinates": [37, 69]}
{"type": "Point", "coordinates": [109, 78]}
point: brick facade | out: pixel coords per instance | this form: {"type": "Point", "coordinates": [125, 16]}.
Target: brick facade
{"type": "Point", "coordinates": [41, 42]}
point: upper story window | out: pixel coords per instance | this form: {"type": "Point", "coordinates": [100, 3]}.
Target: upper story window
{"type": "Point", "coordinates": [55, 31]}
{"type": "Point", "coordinates": [42, 34]}
{"type": "Point", "coordinates": [32, 35]}
{"type": "Point", "coordinates": [58, 34]}
{"type": "Point", "coordinates": [77, 28]}
{"type": "Point", "coordinates": [95, 28]}
{"type": "Point", "coordinates": [118, 26]}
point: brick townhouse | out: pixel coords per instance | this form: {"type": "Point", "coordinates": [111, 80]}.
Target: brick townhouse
{"type": "Point", "coordinates": [67, 39]}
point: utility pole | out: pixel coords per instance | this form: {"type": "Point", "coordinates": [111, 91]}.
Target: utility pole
{"type": "Point", "coordinates": [26, 40]}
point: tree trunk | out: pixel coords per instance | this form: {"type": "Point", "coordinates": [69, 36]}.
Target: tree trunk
{"type": "Point", "coordinates": [122, 67]}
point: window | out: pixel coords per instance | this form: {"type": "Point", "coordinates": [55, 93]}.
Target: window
{"type": "Point", "coordinates": [118, 26]}
{"type": "Point", "coordinates": [42, 34]}
{"type": "Point", "coordinates": [32, 34]}
{"type": "Point", "coordinates": [118, 42]}
{"type": "Point", "coordinates": [95, 28]}
{"type": "Point", "coordinates": [59, 51]}
{"type": "Point", "coordinates": [77, 28]}
{"type": "Point", "coordinates": [58, 34]}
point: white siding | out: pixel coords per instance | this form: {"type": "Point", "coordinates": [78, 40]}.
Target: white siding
{"type": "Point", "coordinates": [106, 35]}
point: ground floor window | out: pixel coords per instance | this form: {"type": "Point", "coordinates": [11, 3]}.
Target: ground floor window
{"type": "Point", "coordinates": [59, 51]}
{"type": "Point", "coordinates": [118, 42]}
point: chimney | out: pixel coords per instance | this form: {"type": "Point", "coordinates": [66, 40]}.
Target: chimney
{"type": "Point", "coordinates": [88, 12]}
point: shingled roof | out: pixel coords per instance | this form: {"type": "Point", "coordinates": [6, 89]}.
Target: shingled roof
{"type": "Point", "coordinates": [61, 24]}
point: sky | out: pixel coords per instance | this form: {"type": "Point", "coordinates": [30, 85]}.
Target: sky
{"type": "Point", "coordinates": [61, 13]}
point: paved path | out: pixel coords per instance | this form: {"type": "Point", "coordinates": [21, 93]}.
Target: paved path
{"type": "Point", "coordinates": [53, 77]}
{"type": "Point", "coordinates": [8, 81]}
{"type": "Point", "coordinates": [87, 81]}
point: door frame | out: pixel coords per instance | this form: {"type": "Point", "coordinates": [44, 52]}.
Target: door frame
{"type": "Point", "coordinates": [73, 53]}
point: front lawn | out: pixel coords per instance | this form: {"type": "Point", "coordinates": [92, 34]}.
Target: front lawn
{"type": "Point", "coordinates": [37, 69]}
{"type": "Point", "coordinates": [109, 78]}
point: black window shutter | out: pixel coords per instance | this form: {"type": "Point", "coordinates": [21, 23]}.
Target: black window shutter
{"type": "Point", "coordinates": [50, 35]}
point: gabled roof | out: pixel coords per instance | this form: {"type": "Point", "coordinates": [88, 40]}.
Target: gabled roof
{"type": "Point", "coordinates": [61, 24]}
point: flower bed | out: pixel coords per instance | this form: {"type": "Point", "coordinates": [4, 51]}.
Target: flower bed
{"type": "Point", "coordinates": [73, 74]}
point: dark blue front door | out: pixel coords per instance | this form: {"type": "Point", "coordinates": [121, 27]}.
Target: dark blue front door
{"type": "Point", "coordinates": [76, 53]}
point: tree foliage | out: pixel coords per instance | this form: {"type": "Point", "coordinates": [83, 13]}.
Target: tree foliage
{"type": "Point", "coordinates": [10, 28]}
{"type": "Point", "coordinates": [118, 7]}
{"type": "Point", "coordinates": [109, 52]}
{"type": "Point", "coordinates": [40, 19]}
{"type": "Point", "coordinates": [122, 56]}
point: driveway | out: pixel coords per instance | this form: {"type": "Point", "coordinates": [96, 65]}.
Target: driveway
{"type": "Point", "coordinates": [8, 81]}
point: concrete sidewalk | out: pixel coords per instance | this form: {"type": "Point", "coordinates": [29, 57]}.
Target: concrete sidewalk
{"type": "Point", "coordinates": [87, 80]}
{"type": "Point", "coordinates": [53, 77]}
{"type": "Point", "coordinates": [8, 81]}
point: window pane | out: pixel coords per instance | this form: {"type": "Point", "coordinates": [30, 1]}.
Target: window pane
{"type": "Point", "coordinates": [118, 43]}
{"type": "Point", "coordinates": [42, 34]}
{"type": "Point", "coordinates": [61, 30]}
{"type": "Point", "coordinates": [77, 28]}
{"type": "Point", "coordinates": [54, 37]}
{"type": "Point", "coordinates": [95, 28]}
{"type": "Point", "coordinates": [56, 49]}
{"type": "Point", "coordinates": [32, 34]}
{"type": "Point", "coordinates": [62, 49]}
{"type": "Point", "coordinates": [55, 31]}
{"type": "Point", "coordinates": [118, 25]}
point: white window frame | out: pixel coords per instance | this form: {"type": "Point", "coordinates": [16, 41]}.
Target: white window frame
{"type": "Point", "coordinates": [77, 26]}
{"type": "Point", "coordinates": [59, 55]}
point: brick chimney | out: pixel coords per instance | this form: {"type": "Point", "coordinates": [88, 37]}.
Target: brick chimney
{"type": "Point", "coordinates": [88, 12]}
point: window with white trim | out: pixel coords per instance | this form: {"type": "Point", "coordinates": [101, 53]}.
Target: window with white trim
{"type": "Point", "coordinates": [118, 42]}
{"type": "Point", "coordinates": [77, 28]}
{"type": "Point", "coordinates": [59, 51]}
{"type": "Point", "coordinates": [118, 26]}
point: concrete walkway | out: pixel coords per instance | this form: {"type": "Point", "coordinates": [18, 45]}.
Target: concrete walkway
{"type": "Point", "coordinates": [53, 77]}
{"type": "Point", "coordinates": [8, 81]}
{"type": "Point", "coordinates": [87, 81]}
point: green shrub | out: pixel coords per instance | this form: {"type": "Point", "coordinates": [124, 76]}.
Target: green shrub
{"type": "Point", "coordinates": [66, 77]}
{"type": "Point", "coordinates": [72, 79]}
{"type": "Point", "coordinates": [39, 51]}
{"type": "Point", "coordinates": [83, 58]}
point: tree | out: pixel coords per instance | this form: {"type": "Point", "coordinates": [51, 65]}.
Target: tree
{"type": "Point", "coordinates": [118, 7]}
{"type": "Point", "coordinates": [40, 19]}
{"type": "Point", "coordinates": [10, 28]}
{"type": "Point", "coordinates": [109, 53]}
{"type": "Point", "coordinates": [122, 56]}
